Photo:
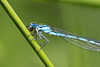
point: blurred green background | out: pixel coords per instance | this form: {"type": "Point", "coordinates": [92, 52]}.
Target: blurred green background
{"type": "Point", "coordinates": [81, 17]}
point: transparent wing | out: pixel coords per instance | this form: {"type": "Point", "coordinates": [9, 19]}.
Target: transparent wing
{"type": "Point", "coordinates": [84, 42]}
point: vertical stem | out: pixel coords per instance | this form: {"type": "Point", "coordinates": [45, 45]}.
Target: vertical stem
{"type": "Point", "coordinates": [25, 32]}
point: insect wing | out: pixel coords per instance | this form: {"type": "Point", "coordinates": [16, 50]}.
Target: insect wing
{"type": "Point", "coordinates": [84, 42]}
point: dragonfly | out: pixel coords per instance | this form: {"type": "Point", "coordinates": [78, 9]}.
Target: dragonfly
{"type": "Point", "coordinates": [81, 41]}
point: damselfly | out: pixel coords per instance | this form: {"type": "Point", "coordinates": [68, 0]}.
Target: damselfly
{"type": "Point", "coordinates": [84, 42]}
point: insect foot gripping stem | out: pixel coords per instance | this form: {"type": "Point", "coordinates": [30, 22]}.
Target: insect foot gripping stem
{"type": "Point", "coordinates": [31, 39]}
{"type": "Point", "coordinates": [43, 44]}
{"type": "Point", "coordinates": [30, 35]}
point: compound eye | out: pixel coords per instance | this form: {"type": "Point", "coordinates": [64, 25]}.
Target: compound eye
{"type": "Point", "coordinates": [34, 25]}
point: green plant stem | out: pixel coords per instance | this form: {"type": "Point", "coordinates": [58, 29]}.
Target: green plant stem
{"type": "Point", "coordinates": [25, 32]}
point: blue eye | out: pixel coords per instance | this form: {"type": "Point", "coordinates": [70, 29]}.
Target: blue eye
{"type": "Point", "coordinates": [34, 25]}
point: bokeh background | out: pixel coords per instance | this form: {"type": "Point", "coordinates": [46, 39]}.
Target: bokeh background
{"type": "Point", "coordinates": [75, 16]}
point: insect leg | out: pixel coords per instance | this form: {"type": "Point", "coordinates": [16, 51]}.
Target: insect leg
{"type": "Point", "coordinates": [34, 34]}
{"type": "Point", "coordinates": [44, 42]}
